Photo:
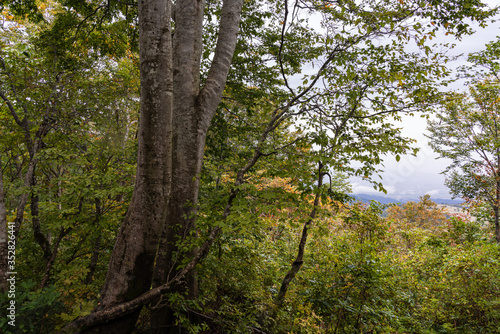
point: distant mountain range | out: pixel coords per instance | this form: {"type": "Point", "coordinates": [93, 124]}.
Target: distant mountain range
{"type": "Point", "coordinates": [366, 198]}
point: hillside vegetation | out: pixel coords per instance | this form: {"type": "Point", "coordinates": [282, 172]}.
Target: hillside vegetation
{"type": "Point", "coordinates": [181, 166]}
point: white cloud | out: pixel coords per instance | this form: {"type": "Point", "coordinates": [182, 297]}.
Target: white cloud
{"type": "Point", "coordinates": [365, 189]}
{"type": "Point", "coordinates": [434, 192]}
{"type": "Point", "coordinates": [416, 176]}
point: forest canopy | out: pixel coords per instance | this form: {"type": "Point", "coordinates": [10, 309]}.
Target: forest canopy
{"type": "Point", "coordinates": [181, 167]}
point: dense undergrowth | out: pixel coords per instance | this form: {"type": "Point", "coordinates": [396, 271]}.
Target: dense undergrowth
{"type": "Point", "coordinates": [362, 273]}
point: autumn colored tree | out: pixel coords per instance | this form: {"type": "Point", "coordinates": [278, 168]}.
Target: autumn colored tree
{"type": "Point", "coordinates": [422, 214]}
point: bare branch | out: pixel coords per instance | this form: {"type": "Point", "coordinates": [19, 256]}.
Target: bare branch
{"type": "Point", "coordinates": [299, 260]}
{"type": "Point", "coordinates": [280, 53]}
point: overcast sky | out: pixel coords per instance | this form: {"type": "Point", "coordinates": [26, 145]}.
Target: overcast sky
{"type": "Point", "coordinates": [412, 177]}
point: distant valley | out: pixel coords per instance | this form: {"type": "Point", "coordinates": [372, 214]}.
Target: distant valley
{"type": "Point", "coordinates": [366, 198]}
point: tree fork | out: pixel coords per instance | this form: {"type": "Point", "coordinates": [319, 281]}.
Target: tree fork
{"type": "Point", "coordinates": [193, 110]}
{"type": "Point", "coordinates": [131, 264]}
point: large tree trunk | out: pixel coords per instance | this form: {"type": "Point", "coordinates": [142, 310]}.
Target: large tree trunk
{"type": "Point", "coordinates": [187, 154]}
{"type": "Point", "coordinates": [193, 111]}
{"type": "Point", "coordinates": [131, 264]}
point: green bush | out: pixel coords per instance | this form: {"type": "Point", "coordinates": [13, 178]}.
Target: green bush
{"type": "Point", "coordinates": [35, 309]}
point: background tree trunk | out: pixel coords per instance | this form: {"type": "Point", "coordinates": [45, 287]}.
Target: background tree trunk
{"type": "Point", "coordinates": [97, 245]}
{"type": "Point", "coordinates": [299, 260]}
{"type": "Point", "coordinates": [497, 196]}
{"type": "Point", "coordinates": [40, 238]}
{"type": "Point", "coordinates": [3, 237]}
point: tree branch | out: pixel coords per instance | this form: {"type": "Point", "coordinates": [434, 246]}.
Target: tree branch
{"type": "Point", "coordinates": [211, 93]}
{"type": "Point", "coordinates": [12, 110]}
{"type": "Point", "coordinates": [299, 260]}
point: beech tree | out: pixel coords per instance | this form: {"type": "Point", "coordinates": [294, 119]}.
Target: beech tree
{"type": "Point", "coordinates": [353, 74]}
{"type": "Point", "coordinates": [171, 141]}
{"type": "Point", "coordinates": [467, 131]}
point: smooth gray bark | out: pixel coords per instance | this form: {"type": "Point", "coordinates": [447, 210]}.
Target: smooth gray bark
{"type": "Point", "coordinates": [173, 127]}
{"type": "Point", "coordinates": [193, 110]}
{"type": "Point", "coordinates": [131, 264]}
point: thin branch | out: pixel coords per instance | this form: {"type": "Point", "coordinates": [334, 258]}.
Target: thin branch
{"type": "Point", "coordinates": [282, 147]}
{"type": "Point", "coordinates": [280, 53]}
{"type": "Point", "coordinates": [11, 109]}
{"type": "Point", "coordinates": [299, 260]}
